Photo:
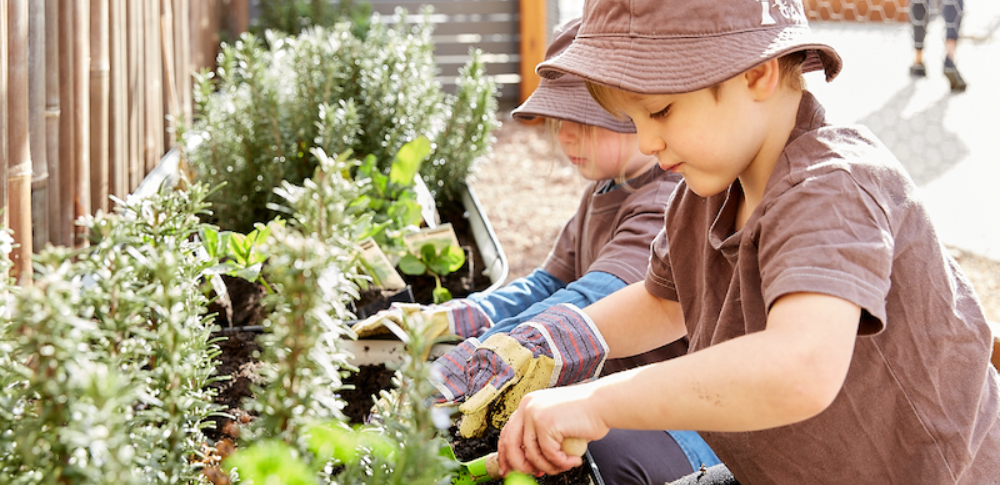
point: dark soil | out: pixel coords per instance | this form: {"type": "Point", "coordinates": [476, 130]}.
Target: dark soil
{"type": "Point", "coordinates": [367, 382]}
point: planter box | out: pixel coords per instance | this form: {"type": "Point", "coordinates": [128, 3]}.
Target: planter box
{"type": "Point", "coordinates": [367, 352]}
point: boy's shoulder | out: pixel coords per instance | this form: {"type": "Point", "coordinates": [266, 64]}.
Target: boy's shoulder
{"type": "Point", "coordinates": [818, 151]}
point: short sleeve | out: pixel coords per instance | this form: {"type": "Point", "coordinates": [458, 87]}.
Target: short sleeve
{"type": "Point", "coordinates": [829, 235]}
{"type": "Point", "coordinates": [659, 275]}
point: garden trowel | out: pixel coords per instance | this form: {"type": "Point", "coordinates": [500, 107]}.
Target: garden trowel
{"type": "Point", "coordinates": [487, 468]}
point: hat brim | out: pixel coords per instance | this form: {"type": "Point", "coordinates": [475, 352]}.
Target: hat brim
{"type": "Point", "coordinates": [569, 102]}
{"type": "Point", "coordinates": [671, 65]}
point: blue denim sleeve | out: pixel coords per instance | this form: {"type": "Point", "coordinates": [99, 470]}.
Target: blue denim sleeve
{"type": "Point", "coordinates": [517, 295]}
{"type": "Point", "coordinates": [591, 287]}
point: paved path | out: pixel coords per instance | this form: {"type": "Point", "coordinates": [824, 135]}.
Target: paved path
{"type": "Point", "coordinates": [950, 143]}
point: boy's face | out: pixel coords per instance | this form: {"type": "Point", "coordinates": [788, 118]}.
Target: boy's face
{"type": "Point", "coordinates": [710, 140]}
{"type": "Point", "coordinates": [601, 154]}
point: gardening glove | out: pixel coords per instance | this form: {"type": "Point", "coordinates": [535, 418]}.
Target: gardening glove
{"type": "Point", "coordinates": [457, 317]}
{"type": "Point", "coordinates": [558, 347]}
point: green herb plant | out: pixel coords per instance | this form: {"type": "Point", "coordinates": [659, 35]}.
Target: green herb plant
{"type": "Point", "coordinates": [436, 263]}
{"type": "Point", "coordinates": [240, 254]}
{"type": "Point", "coordinates": [107, 356]}
{"type": "Point", "coordinates": [267, 105]}
{"type": "Point", "coordinates": [391, 198]}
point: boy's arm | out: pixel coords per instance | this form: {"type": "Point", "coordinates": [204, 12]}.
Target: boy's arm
{"type": "Point", "coordinates": [787, 373]}
{"type": "Point", "coordinates": [634, 321]}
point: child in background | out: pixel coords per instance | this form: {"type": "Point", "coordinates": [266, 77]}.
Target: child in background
{"type": "Point", "coordinates": [603, 248]}
{"type": "Point", "coordinates": [832, 338]}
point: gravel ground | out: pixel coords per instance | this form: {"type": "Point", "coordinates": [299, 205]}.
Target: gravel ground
{"type": "Point", "coordinates": [528, 195]}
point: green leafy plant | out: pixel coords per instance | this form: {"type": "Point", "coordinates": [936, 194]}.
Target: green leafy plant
{"type": "Point", "coordinates": [240, 254]}
{"type": "Point", "coordinates": [435, 263]}
{"type": "Point", "coordinates": [392, 198]}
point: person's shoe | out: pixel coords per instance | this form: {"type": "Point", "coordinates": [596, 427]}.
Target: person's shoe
{"type": "Point", "coordinates": [958, 84]}
{"type": "Point", "coordinates": [918, 70]}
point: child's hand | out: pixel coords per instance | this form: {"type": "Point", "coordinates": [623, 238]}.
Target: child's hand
{"type": "Point", "coordinates": [535, 438]}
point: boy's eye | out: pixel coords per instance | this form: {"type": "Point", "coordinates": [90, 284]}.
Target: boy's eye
{"type": "Point", "coordinates": [661, 113]}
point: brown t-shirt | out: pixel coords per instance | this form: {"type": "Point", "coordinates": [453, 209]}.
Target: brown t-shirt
{"type": "Point", "coordinates": [611, 232]}
{"type": "Point", "coordinates": [840, 217]}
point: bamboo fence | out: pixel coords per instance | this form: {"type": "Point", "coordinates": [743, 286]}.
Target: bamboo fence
{"type": "Point", "coordinates": [91, 94]}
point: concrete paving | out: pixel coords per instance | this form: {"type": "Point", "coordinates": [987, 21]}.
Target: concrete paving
{"type": "Point", "coordinates": [950, 143]}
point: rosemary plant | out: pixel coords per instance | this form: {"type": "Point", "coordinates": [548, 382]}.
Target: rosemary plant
{"type": "Point", "coordinates": [268, 104]}
{"type": "Point", "coordinates": [107, 356]}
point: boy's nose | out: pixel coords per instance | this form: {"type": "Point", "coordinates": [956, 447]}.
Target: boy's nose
{"type": "Point", "coordinates": [650, 143]}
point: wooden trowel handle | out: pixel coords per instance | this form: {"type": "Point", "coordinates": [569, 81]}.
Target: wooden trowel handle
{"type": "Point", "coordinates": [570, 446]}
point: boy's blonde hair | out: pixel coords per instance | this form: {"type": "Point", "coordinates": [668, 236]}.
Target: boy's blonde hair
{"type": "Point", "coordinates": [789, 66]}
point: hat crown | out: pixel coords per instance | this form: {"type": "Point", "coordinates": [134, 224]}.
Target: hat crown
{"type": "Point", "coordinates": [687, 18]}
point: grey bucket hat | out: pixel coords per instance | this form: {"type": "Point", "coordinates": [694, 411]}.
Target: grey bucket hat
{"type": "Point", "coordinates": [566, 98]}
{"type": "Point", "coordinates": [679, 46]}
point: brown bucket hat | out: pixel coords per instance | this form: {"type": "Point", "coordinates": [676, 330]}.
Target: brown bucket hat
{"type": "Point", "coordinates": [566, 98]}
{"type": "Point", "coordinates": [679, 46]}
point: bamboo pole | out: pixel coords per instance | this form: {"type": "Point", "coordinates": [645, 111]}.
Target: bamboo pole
{"type": "Point", "coordinates": [136, 89]}
{"type": "Point", "coordinates": [52, 117]}
{"type": "Point", "coordinates": [154, 87]}
{"type": "Point", "coordinates": [3, 115]}
{"type": "Point", "coordinates": [67, 132]}
{"type": "Point", "coordinates": [36, 107]}
{"type": "Point", "coordinates": [81, 115]}
{"type": "Point", "coordinates": [100, 93]}
{"type": "Point", "coordinates": [19, 147]}
{"type": "Point", "coordinates": [118, 108]}
{"type": "Point", "coordinates": [182, 51]}
{"type": "Point", "coordinates": [171, 105]}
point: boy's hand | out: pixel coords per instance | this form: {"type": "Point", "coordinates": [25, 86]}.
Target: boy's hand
{"type": "Point", "coordinates": [534, 438]}
{"type": "Point", "coordinates": [557, 347]}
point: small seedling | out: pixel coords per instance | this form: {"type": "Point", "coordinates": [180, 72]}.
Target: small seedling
{"type": "Point", "coordinates": [435, 263]}
{"type": "Point", "coordinates": [240, 254]}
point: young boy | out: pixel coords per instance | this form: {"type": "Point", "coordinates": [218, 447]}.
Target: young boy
{"type": "Point", "coordinates": [832, 339]}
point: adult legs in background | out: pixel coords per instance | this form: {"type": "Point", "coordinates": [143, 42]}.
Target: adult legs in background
{"type": "Point", "coordinates": [952, 11]}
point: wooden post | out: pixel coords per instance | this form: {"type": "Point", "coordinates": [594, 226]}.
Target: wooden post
{"type": "Point", "coordinates": [36, 106]}
{"type": "Point", "coordinates": [100, 93]}
{"type": "Point", "coordinates": [67, 132]}
{"type": "Point", "coordinates": [118, 104]}
{"type": "Point", "coordinates": [534, 40]}
{"type": "Point", "coordinates": [19, 147]}
{"type": "Point", "coordinates": [52, 118]}
{"type": "Point", "coordinates": [239, 17]}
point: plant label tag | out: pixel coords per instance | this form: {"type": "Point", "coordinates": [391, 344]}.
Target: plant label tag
{"type": "Point", "coordinates": [379, 267]}
{"type": "Point", "coordinates": [441, 237]}
{"type": "Point", "coordinates": [428, 208]}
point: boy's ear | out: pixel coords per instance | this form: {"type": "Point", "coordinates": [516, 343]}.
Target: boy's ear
{"type": "Point", "coordinates": [764, 79]}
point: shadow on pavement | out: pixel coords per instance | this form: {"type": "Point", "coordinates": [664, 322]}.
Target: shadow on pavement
{"type": "Point", "coordinates": [926, 149]}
